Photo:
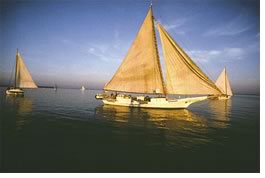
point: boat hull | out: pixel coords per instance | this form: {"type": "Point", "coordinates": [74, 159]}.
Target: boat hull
{"type": "Point", "coordinates": [15, 91]}
{"type": "Point", "coordinates": [100, 96]}
{"type": "Point", "coordinates": [221, 97]}
{"type": "Point", "coordinates": [161, 103]}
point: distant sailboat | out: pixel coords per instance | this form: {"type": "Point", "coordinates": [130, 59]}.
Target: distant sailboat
{"type": "Point", "coordinates": [55, 87]}
{"type": "Point", "coordinates": [140, 73]}
{"type": "Point", "coordinates": [23, 78]}
{"type": "Point", "coordinates": [224, 85]}
{"type": "Point", "coordinates": [83, 88]}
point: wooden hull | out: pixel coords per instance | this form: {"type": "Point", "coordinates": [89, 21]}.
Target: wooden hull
{"type": "Point", "coordinates": [15, 91]}
{"type": "Point", "coordinates": [222, 97]}
{"type": "Point", "coordinates": [161, 103]}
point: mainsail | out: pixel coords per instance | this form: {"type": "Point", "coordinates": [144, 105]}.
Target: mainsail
{"type": "Point", "coordinates": [223, 83]}
{"type": "Point", "coordinates": [183, 76]}
{"type": "Point", "coordinates": [140, 71]}
{"type": "Point", "coordinates": [23, 78]}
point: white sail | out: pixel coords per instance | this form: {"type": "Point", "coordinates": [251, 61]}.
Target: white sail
{"type": "Point", "coordinates": [23, 77]}
{"type": "Point", "coordinates": [183, 76]}
{"type": "Point", "coordinates": [223, 83]}
{"type": "Point", "coordinates": [140, 71]}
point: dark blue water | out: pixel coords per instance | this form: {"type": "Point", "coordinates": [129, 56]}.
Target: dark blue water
{"type": "Point", "coordinates": [69, 131]}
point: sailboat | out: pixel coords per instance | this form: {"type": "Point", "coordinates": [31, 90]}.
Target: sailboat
{"type": "Point", "coordinates": [55, 87]}
{"type": "Point", "coordinates": [224, 85]}
{"type": "Point", "coordinates": [23, 78]}
{"type": "Point", "coordinates": [140, 73]}
{"type": "Point", "coordinates": [83, 88]}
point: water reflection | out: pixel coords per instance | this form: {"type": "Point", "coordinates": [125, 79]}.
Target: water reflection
{"type": "Point", "coordinates": [181, 128]}
{"type": "Point", "coordinates": [126, 114]}
{"type": "Point", "coordinates": [112, 113]}
{"type": "Point", "coordinates": [21, 106]}
{"type": "Point", "coordinates": [221, 110]}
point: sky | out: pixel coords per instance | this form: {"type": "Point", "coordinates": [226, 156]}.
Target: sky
{"type": "Point", "coordinates": [75, 43]}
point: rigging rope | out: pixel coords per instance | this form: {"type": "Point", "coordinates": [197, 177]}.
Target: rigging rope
{"type": "Point", "coordinates": [186, 47]}
{"type": "Point", "coordinates": [11, 77]}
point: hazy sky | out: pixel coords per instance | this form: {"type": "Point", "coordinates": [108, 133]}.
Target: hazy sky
{"type": "Point", "coordinates": [74, 43]}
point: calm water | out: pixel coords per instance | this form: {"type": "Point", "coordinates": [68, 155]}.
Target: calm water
{"type": "Point", "coordinates": [69, 131]}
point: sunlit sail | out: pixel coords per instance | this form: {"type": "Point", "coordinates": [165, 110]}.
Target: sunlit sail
{"type": "Point", "coordinates": [183, 76]}
{"type": "Point", "coordinates": [23, 78]}
{"type": "Point", "coordinates": [224, 85]}
{"type": "Point", "coordinates": [140, 73]}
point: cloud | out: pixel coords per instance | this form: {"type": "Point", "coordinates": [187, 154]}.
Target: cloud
{"type": "Point", "coordinates": [117, 41]}
{"type": "Point", "coordinates": [223, 55]}
{"type": "Point", "coordinates": [235, 53]}
{"type": "Point", "coordinates": [204, 55]}
{"type": "Point", "coordinates": [91, 50]}
{"type": "Point", "coordinates": [111, 51]}
{"type": "Point", "coordinates": [68, 42]}
{"type": "Point", "coordinates": [101, 52]}
{"type": "Point", "coordinates": [106, 52]}
{"type": "Point", "coordinates": [176, 25]}
{"type": "Point", "coordinates": [238, 25]}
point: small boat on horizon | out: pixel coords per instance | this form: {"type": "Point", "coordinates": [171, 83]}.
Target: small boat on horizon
{"type": "Point", "coordinates": [23, 78]}
{"type": "Point", "coordinates": [55, 87]}
{"type": "Point", "coordinates": [223, 84]}
{"type": "Point", "coordinates": [83, 88]}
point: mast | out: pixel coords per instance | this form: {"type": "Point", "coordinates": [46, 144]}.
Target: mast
{"type": "Point", "coordinates": [157, 54]}
{"type": "Point", "coordinates": [16, 68]}
{"type": "Point", "coordinates": [225, 82]}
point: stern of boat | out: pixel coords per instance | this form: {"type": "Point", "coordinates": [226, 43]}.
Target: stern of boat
{"type": "Point", "coordinates": [186, 102]}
